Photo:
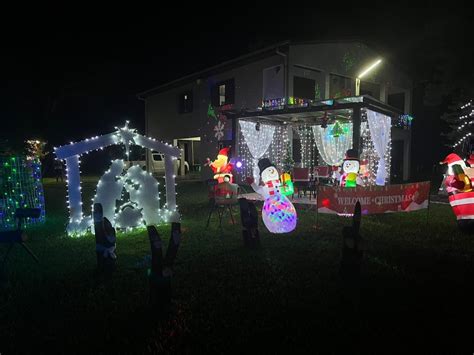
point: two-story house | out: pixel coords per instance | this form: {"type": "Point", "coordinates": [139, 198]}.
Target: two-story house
{"type": "Point", "coordinates": [200, 112]}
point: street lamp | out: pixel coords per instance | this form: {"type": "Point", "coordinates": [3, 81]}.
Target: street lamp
{"type": "Point", "coordinates": [364, 72]}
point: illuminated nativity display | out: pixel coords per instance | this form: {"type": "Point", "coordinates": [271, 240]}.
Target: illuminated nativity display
{"type": "Point", "coordinates": [143, 206]}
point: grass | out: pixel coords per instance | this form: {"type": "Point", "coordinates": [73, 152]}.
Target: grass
{"type": "Point", "coordinates": [285, 297]}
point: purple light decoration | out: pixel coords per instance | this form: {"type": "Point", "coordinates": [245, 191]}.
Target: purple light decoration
{"type": "Point", "coordinates": [237, 163]}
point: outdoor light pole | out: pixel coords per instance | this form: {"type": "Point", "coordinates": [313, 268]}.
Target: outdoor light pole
{"type": "Point", "coordinates": [364, 72]}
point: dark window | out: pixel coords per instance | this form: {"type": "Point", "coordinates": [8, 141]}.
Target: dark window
{"type": "Point", "coordinates": [304, 88]}
{"type": "Point", "coordinates": [185, 102]}
{"type": "Point", "coordinates": [223, 93]}
{"type": "Point", "coordinates": [273, 83]}
{"type": "Point", "coordinates": [296, 150]}
{"type": "Point", "coordinates": [157, 157]}
{"type": "Point", "coordinates": [397, 101]}
{"type": "Point", "coordinates": [370, 89]}
{"type": "Point", "coordinates": [340, 86]}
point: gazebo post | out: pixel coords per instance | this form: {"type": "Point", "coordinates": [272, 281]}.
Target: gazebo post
{"type": "Point", "coordinates": [356, 128]}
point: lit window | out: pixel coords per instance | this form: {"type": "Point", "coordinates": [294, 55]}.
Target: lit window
{"type": "Point", "coordinates": [221, 95]}
{"type": "Point", "coordinates": [185, 102]}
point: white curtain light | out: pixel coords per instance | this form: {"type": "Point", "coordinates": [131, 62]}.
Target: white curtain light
{"type": "Point", "coordinates": [380, 126]}
{"type": "Point", "coordinates": [258, 141]}
{"type": "Point", "coordinates": [333, 149]}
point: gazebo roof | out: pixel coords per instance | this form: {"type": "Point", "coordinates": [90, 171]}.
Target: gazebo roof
{"type": "Point", "coordinates": [313, 111]}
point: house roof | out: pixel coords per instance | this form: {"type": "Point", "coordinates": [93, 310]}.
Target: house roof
{"type": "Point", "coordinates": [262, 53]}
{"type": "Point", "coordinates": [250, 57]}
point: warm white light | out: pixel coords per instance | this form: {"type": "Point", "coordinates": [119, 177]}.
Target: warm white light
{"type": "Point", "coordinates": [368, 69]}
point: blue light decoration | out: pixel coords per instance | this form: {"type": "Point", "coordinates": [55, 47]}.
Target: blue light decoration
{"type": "Point", "coordinates": [405, 121]}
{"type": "Point", "coordinates": [20, 187]}
{"type": "Point", "coordinates": [274, 104]}
{"type": "Point", "coordinates": [281, 103]}
{"type": "Point", "coordinates": [327, 102]}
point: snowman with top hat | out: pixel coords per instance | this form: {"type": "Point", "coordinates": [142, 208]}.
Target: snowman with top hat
{"type": "Point", "coordinates": [278, 213]}
{"type": "Point", "coordinates": [350, 168]}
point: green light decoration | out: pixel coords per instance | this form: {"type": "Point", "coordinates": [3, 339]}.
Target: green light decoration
{"type": "Point", "coordinates": [20, 186]}
{"type": "Point", "coordinates": [348, 61]}
{"type": "Point", "coordinates": [211, 112]}
{"type": "Point", "coordinates": [337, 130]}
{"type": "Point", "coordinates": [317, 92]}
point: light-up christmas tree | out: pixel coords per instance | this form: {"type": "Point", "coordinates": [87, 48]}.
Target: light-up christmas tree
{"type": "Point", "coordinates": [460, 135]}
{"type": "Point", "coordinates": [288, 163]}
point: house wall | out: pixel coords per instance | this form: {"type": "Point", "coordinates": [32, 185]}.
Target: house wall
{"type": "Point", "coordinates": [346, 59]}
{"type": "Point", "coordinates": [166, 123]}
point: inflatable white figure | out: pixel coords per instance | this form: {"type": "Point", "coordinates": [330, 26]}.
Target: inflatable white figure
{"type": "Point", "coordinates": [109, 189]}
{"type": "Point", "coordinates": [278, 213]}
{"type": "Point", "coordinates": [350, 168]}
{"type": "Point", "coordinates": [143, 190]}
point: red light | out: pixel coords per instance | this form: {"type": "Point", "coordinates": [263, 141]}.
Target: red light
{"type": "Point", "coordinates": [326, 202]}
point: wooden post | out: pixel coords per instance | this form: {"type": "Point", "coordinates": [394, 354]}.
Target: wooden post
{"type": "Point", "coordinates": [173, 246]}
{"type": "Point", "coordinates": [160, 273]}
{"type": "Point", "coordinates": [249, 219]}
{"type": "Point", "coordinates": [352, 249]}
{"type": "Point", "coordinates": [105, 241]}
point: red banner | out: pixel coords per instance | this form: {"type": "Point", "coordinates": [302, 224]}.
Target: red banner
{"type": "Point", "coordinates": [374, 199]}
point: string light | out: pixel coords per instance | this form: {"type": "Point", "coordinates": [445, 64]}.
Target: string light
{"type": "Point", "coordinates": [307, 145]}
{"type": "Point", "coordinates": [333, 149]}
{"type": "Point", "coordinates": [20, 183]}
{"type": "Point", "coordinates": [275, 152]}
{"type": "Point", "coordinates": [369, 154]}
{"type": "Point", "coordinates": [257, 144]}
{"type": "Point", "coordinates": [466, 122]}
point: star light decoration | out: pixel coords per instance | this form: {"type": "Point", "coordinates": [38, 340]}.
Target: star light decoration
{"type": "Point", "coordinates": [126, 136]}
{"type": "Point", "coordinates": [80, 224]}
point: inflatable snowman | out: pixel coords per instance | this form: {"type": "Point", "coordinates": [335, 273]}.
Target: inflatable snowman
{"type": "Point", "coordinates": [350, 168]}
{"type": "Point", "coordinates": [278, 213]}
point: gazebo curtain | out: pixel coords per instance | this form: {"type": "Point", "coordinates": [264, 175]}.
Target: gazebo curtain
{"type": "Point", "coordinates": [258, 141]}
{"type": "Point", "coordinates": [333, 149]}
{"type": "Point", "coordinates": [380, 126]}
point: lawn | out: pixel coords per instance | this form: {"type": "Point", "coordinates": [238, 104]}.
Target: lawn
{"type": "Point", "coordinates": [416, 289]}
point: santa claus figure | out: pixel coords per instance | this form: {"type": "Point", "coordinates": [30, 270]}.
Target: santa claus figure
{"type": "Point", "coordinates": [221, 167]}
{"type": "Point", "coordinates": [460, 192]}
{"type": "Point", "coordinates": [350, 168]}
{"type": "Point", "coordinates": [278, 213]}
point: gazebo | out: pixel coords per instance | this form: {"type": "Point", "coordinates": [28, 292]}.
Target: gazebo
{"type": "Point", "coordinates": [326, 130]}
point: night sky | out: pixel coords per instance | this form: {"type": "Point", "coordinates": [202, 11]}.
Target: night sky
{"type": "Point", "coordinates": [66, 76]}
